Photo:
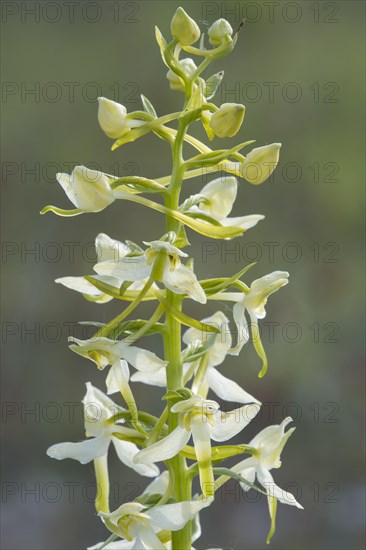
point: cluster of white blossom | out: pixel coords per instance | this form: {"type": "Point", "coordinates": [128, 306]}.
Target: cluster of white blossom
{"type": "Point", "coordinates": [166, 514]}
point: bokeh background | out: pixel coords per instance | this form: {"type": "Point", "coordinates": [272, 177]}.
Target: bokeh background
{"type": "Point", "coordinates": [298, 68]}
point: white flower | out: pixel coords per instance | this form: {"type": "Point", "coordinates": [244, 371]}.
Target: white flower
{"type": "Point", "coordinates": [176, 277]}
{"type": "Point", "coordinates": [188, 67]}
{"type": "Point", "coordinates": [254, 303]}
{"type": "Point", "coordinates": [223, 387]}
{"type": "Point", "coordinates": [141, 526]}
{"type": "Point", "coordinates": [104, 352]}
{"type": "Point", "coordinates": [106, 249]}
{"type": "Point", "coordinates": [98, 410]}
{"type": "Point", "coordinates": [113, 118]}
{"type": "Point", "coordinates": [204, 421]}
{"type": "Point", "coordinates": [158, 486]}
{"type": "Point", "coordinates": [268, 444]}
{"type": "Point", "coordinates": [218, 198]}
{"type": "Point", "coordinates": [89, 190]}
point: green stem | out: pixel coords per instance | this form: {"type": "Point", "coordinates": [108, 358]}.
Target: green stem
{"type": "Point", "coordinates": [181, 540]}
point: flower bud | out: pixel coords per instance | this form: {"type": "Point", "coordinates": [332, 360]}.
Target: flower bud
{"type": "Point", "coordinates": [112, 118]}
{"type": "Point", "coordinates": [227, 120]}
{"type": "Point", "coordinates": [188, 66]}
{"type": "Point", "coordinates": [184, 29]}
{"type": "Point", "coordinates": [219, 32]}
{"type": "Point", "coordinates": [260, 163]}
{"type": "Point", "coordinates": [88, 190]}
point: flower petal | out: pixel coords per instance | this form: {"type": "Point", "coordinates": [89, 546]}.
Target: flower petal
{"type": "Point", "coordinates": [153, 378]}
{"type": "Point", "coordinates": [98, 408]}
{"type": "Point", "coordinates": [168, 248]}
{"type": "Point", "coordinates": [102, 351]}
{"type": "Point", "coordinates": [87, 189]}
{"type": "Point", "coordinates": [126, 452]}
{"type": "Point", "coordinates": [241, 327]}
{"type": "Point", "coordinates": [220, 195]}
{"type": "Point", "coordinates": [173, 517]}
{"type": "Point", "coordinates": [274, 491]}
{"type": "Point", "coordinates": [245, 222]}
{"type": "Point", "coordinates": [183, 281]}
{"type": "Point", "coordinates": [249, 475]}
{"type": "Point", "coordinates": [83, 451]}
{"type": "Point", "coordinates": [227, 425]}
{"type": "Point", "coordinates": [202, 445]}
{"type": "Point", "coordinates": [159, 485]}
{"type": "Point", "coordinates": [147, 540]}
{"type": "Point", "coordinates": [228, 389]}
{"type": "Point", "coordinates": [115, 545]}
{"type": "Point", "coordinates": [164, 449]}
{"type": "Point", "coordinates": [110, 249]}
{"type": "Point", "coordinates": [270, 442]}
{"type": "Point", "coordinates": [217, 352]}
{"type": "Point", "coordinates": [142, 359]}
{"type": "Point", "coordinates": [270, 283]}
{"type": "Point", "coordinates": [257, 343]}
{"type": "Point", "coordinates": [118, 377]}
{"type": "Point", "coordinates": [132, 268]}
{"type": "Point", "coordinates": [80, 284]}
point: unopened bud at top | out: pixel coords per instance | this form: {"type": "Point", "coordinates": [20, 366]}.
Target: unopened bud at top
{"type": "Point", "coordinates": [260, 163]}
{"type": "Point", "coordinates": [219, 32]}
{"type": "Point", "coordinates": [188, 66]}
{"type": "Point", "coordinates": [226, 121]}
{"type": "Point", "coordinates": [184, 29]}
{"type": "Point", "coordinates": [112, 118]}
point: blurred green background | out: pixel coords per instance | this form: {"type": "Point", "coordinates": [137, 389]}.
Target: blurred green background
{"type": "Point", "coordinates": [298, 68]}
